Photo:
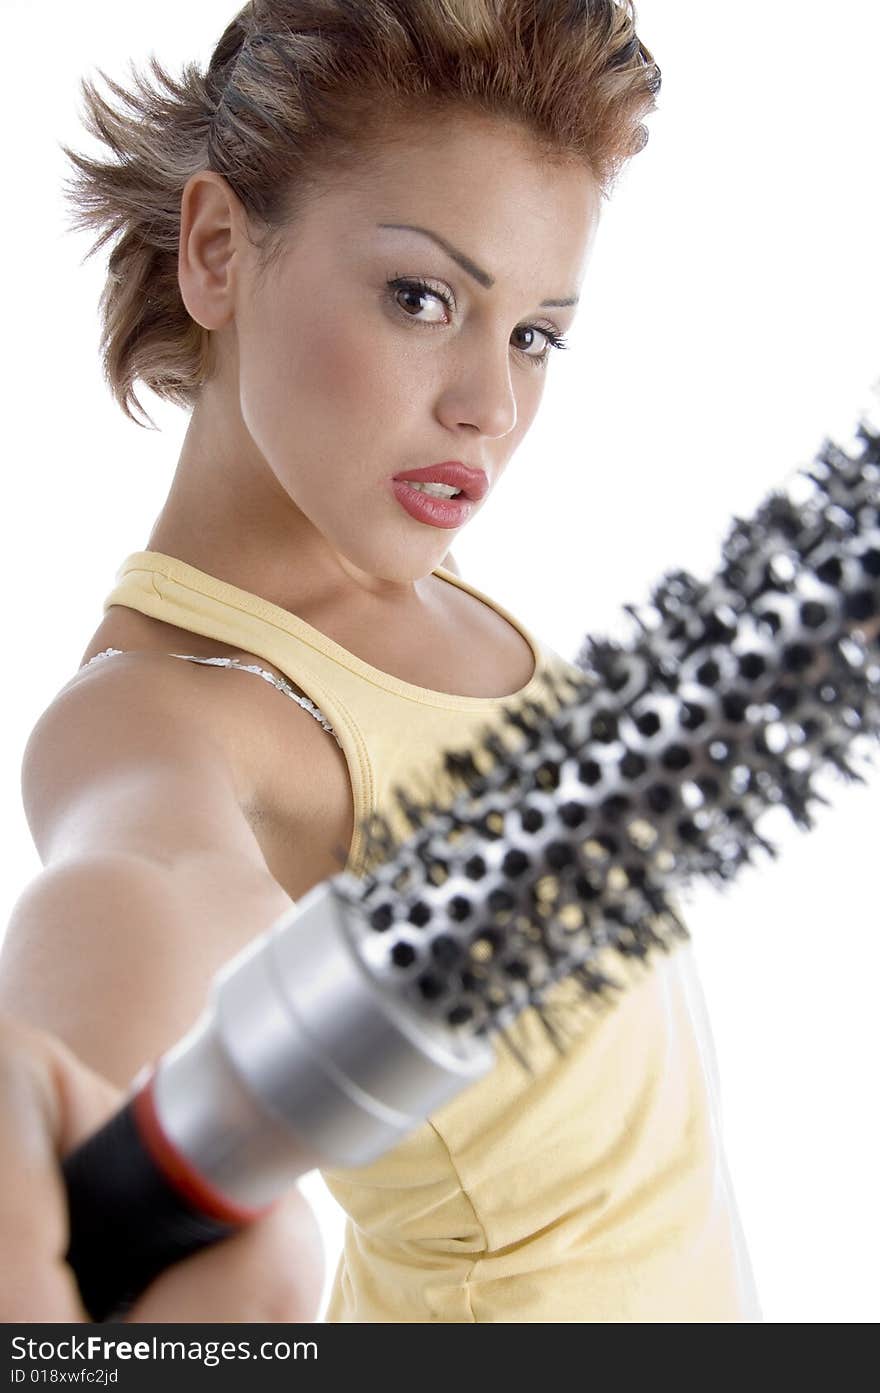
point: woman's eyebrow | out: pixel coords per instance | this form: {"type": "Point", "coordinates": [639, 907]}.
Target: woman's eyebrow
{"type": "Point", "coordinates": [465, 262]}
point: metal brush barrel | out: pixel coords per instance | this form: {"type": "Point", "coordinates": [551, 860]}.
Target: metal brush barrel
{"type": "Point", "coordinates": [300, 1061]}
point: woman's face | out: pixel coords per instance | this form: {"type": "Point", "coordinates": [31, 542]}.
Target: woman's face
{"type": "Point", "coordinates": [350, 372]}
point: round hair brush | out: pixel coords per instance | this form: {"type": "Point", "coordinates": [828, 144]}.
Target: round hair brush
{"type": "Point", "coordinates": [554, 849]}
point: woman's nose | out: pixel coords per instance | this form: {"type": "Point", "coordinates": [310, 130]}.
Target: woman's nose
{"type": "Point", "coordinates": [480, 394]}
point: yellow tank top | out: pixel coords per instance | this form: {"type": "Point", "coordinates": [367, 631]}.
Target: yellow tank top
{"type": "Point", "coordinates": [593, 1188]}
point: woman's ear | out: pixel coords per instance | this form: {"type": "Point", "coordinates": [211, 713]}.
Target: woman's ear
{"type": "Point", "coordinates": [211, 239]}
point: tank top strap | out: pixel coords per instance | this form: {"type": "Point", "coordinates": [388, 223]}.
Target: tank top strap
{"type": "Point", "coordinates": [280, 683]}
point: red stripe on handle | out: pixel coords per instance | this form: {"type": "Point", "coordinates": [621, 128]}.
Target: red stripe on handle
{"type": "Point", "coordinates": [179, 1171]}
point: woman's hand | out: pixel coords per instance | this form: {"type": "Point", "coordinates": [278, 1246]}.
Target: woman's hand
{"type": "Point", "coordinates": [49, 1102]}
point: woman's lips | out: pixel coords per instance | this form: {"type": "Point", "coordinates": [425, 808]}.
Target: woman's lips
{"type": "Point", "coordinates": [472, 482]}
{"type": "Point", "coordinates": [436, 512]}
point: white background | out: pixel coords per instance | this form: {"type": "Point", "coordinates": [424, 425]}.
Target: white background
{"type": "Point", "coordinates": [728, 324]}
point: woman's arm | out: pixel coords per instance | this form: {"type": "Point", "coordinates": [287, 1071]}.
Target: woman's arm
{"type": "Point", "coordinates": [152, 876]}
{"type": "Point", "coordinates": [152, 880]}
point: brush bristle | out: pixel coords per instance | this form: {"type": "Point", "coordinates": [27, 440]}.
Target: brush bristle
{"type": "Point", "coordinates": [558, 837]}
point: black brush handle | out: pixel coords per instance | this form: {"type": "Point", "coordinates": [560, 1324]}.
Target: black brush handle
{"type": "Point", "coordinates": [134, 1208]}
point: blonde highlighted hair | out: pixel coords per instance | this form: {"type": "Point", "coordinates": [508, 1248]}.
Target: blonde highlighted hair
{"type": "Point", "coordinates": [300, 93]}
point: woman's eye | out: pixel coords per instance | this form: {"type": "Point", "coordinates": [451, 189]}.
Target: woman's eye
{"type": "Point", "coordinates": [415, 290]}
{"type": "Point", "coordinates": [418, 290]}
{"type": "Point", "coordinates": [537, 336]}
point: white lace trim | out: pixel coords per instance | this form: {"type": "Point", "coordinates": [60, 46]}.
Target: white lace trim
{"type": "Point", "coordinates": [280, 683]}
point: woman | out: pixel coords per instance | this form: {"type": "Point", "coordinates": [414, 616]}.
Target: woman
{"type": "Point", "coordinates": [350, 250]}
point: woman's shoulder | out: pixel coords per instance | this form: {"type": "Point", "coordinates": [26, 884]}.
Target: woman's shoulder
{"type": "Point", "coordinates": [291, 773]}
